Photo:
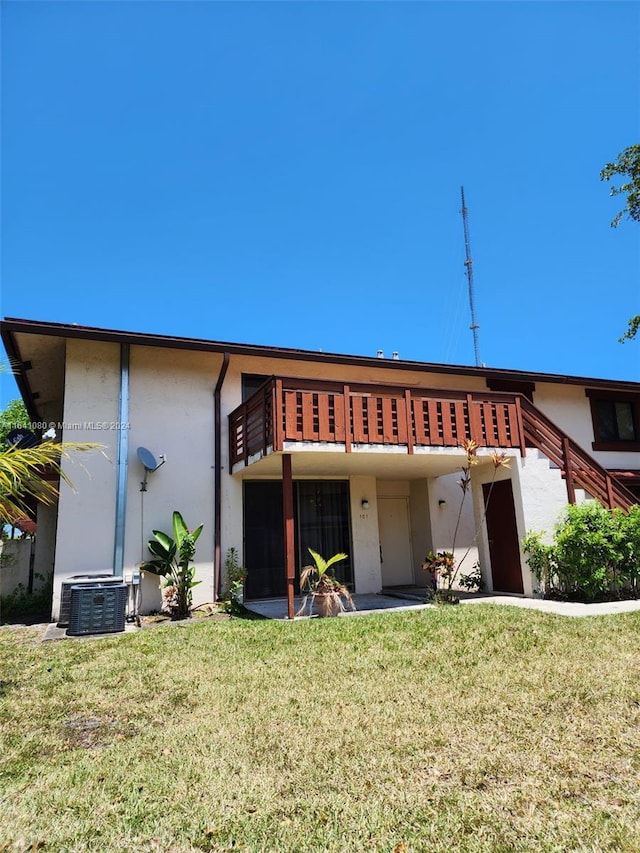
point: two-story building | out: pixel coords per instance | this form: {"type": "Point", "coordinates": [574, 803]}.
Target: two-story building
{"type": "Point", "coordinates": [277, 450]}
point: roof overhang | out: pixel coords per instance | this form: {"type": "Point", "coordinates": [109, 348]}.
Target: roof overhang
{"type": "Point", "coordinates": [36, 354]}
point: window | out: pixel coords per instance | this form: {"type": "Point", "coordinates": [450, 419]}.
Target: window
{"type": "Point", "coordinates": [250, 384]}
{"type": "Point", "coordinates": [616, 420]}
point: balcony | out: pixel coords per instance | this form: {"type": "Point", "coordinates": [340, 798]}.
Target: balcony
{"type": "Point", "coordinates": [285, 411]}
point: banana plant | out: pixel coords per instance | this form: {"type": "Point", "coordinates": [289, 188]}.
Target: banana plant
{"type": "Point", "coordinates": [172, 562]}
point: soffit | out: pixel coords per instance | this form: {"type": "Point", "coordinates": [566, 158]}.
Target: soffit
{"type": "Point", "coordinates": [45, 377]}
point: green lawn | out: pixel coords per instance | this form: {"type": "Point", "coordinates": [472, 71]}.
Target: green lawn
{"type": "Point", "coordinates": [464, 728]}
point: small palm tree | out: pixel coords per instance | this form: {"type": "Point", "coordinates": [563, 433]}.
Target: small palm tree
{"type": "Point", "coordinates": [326, 590]}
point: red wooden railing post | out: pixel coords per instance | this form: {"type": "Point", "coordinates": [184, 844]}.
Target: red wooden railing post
{"type": "Point", "coordinates": [278, 415]}
{"type": "Point", "coordinates": [233, 443]}
{"type": "Point", "coordinates": [523, 445]}
{"type": "Point", "coordinates": [610, 491]}
{"type": "Point", "coordinates": [408, 402]}
{"type": "Point", "coordinates": [347, 419]}
{"type": "Point", "coordinates": [568, 473]}
{"type": "Point", "coordinates": [473, 426]}
{"type": "Point", "coordinates": [289, 542]}
{"type": "Point", "coordinates": [244, 433]}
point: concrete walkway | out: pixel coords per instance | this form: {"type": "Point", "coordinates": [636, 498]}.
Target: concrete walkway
{"type": "Point", "coordinates": [276, 608]}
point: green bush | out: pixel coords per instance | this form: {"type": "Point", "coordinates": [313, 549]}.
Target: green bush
{"type": "Point", "coordinates": [595, 554]}
{"type": "Point", "coordinates": [21, 602]}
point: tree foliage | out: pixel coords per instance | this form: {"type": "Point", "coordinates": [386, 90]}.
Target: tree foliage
{"type": "Point", "coordinates": [627, 165]}
{"type": "Point", "coordinates": [12, 417]}
{"type": "Point", "coordinates": [632, 331]}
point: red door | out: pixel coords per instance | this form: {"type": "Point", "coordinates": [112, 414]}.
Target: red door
{"type": "Point", "coordinates": [504, 548]}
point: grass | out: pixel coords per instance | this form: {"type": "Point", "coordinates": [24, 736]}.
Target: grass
{"type": "Point", "coordinates": [469, 728]}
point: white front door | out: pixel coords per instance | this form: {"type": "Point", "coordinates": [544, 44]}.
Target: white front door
{"type": "Point", "coordinates": [395, 541]}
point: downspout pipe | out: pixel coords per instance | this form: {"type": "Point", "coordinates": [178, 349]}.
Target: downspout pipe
{"type": "Point", "coordinates": [122, 460]}
{"type": "Point", "coordinates": [217, 476]}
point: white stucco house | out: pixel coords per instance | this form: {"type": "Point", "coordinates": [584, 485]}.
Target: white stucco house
{"type": "Point", "coordinates": [277, 450]}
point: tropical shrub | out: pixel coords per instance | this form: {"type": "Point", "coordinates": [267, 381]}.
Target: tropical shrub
{"type": "Point", "coordinates": [595, 554]}
{"type": "Point", "coordinates": [172, 562]}
{"type": "Point", "coordinates": [473, 581]}
{"type": "Point", "coordinates": [21, 602]}
{"type": "Point", "coordinates": [234, 578]}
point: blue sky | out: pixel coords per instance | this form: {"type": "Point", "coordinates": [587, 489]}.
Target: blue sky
{"type": "Point", "coordinates": [289, 174]}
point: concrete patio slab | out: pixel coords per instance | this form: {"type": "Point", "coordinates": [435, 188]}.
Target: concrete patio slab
{"type": "Point", "coordinates": [276, 608]}
{"type": "Point", "coordinates": [54, 632]}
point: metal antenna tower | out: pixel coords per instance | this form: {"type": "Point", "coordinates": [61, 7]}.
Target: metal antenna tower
{"type": "Point", "coordinates": [469, 265]}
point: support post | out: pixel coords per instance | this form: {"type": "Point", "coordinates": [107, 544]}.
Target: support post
{"type": "Point", "coordinates": [289, 544]}
{"type": "Point", "coordinates": [217, 475]}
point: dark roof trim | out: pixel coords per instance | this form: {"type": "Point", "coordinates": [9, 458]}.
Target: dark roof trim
{"type": "Point", "coordinates": [16, 365]}
{"type": "Point", "coordinates": [13, 325]}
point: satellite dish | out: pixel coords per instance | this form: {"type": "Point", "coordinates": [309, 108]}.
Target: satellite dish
{"type": "Point", "coordinates": [147, 458]}
{"type": "Point", "coordinates": [150, 465]}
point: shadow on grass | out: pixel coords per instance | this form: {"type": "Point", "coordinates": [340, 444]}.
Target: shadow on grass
{"type": "Point", "coordinates": [36, 617]}
{"type": "Point", "coordinates": [249, 615]}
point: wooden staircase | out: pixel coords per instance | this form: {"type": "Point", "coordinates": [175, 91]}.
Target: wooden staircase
{"type": "Point", "coordinates": [579, 469]}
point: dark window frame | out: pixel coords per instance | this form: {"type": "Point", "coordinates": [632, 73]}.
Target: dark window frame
{"type": "Point", "coordinates": [512, 387]}
{"type": "Point", "coordinates": [596, 396]}
{"type": "Point", "coordinates": [270, 582]}
{"type": "Point", "coordinates": [252, 382]}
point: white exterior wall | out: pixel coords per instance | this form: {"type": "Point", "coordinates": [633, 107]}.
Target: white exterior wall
{"type": "Point", "coordinates": [420, 518]}
{"type": "Point", "coordinates": [231, 521]}
{"type": "Point", "coordinates": [444, 518]}
{"type": "Point", "coordinates": [86, 516]}
{"type": "Point", "coordinates": [46, 540]}
{"type": "Point", "coordinates": [14, 568]}
{"type": "Point", "coordinates": [171, 412]}
{"type": "Point", "coordinates": [570, 409]}
{"type": "Point", "coordinates": [364, 535]}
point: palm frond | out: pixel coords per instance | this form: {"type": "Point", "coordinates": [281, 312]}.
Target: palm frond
{"type": "Point", "coordinates": [23, 475]}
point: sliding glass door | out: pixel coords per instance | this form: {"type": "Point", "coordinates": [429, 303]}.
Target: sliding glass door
{"type": "Point", "coordinates": [321, 521]}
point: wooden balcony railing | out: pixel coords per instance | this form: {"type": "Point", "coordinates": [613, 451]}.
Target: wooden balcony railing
{"type": "Point", "coordinates": [293, 410]}
{"type": "Point", "coordinates": [315, 411]}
